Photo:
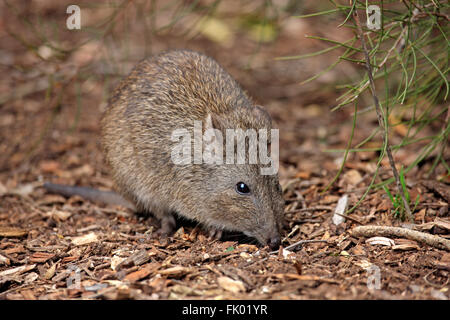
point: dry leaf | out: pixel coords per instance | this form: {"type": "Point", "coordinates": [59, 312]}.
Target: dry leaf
{"type": "Point", "coordinates": [175, 272]}
{"type": "Point", "coordinates": [288, 254]}
{"type": "Point", "coordinates": [117, 283]}
{"type": "Point", "coordinates": [444, 263]}
{"type": "Point", "coordinates": [438, 222]}
{"type": "Point", "coordinates": [380, 240]}
{"type": "Point", "coordinates": [70, 259]}
{"type": "Point", "coordinates": [50, 272]}
{"type": "Point", "coordinates": [179, 233]}
{"type": "Point", "coordinates": [303, 277]}
{"type": "Point", "coordinates": [398, 126]}
{"type": "Point", "coordinates": [51, 199]}
{"type": "Point", "coordinates": [59, 215]}
{"type": "Point", "coordinates": [439, 187]}
{"type": "Point", "coordinates": [329, 199]}
{"type": "Point", "coordinates": [142, 273]}
{"type": "Point", "coordinates": [303, 175]}
{"type": "Point", "coordinates": [384, 205]}
{"type": "Point", "coordinates": [358, 250]}
{"type": "Point", "coordinates": [341, 207]}
{"type": "Point", "coordinates": [31, 277]}
{"type": "Point", "coordinates": [136, 259]}
{"type": "Point", "coordinates": [18, 270]}
{"type": "Point", "coordinates": [231, 285]}
{"type": "Point", "coordinates": [420, 216]}
{"type": "Point", "coordinates": [3, 189]}
{"type": "Point", "coordinates": [84, 239]}
{"type": "Point", "coordinates": [28, 294]}
{"type": "Point", "coordinates": [185, 290]}
{"type": "Point", "coordinates": [4, 260]}
{"type": "Point", "coordinates": [41, 257]}
{"type": "Point", "coordinates": [405, 247]}
{"type": "Point", "coordinates": [405, 244]}
{"type": "Point", "coordinates": [442, 223]}
{"type": "Point", "coordinates": [446, 258]}
{"type": "Point", "coordinates": [49, 166]}
{"type": "Point", "coordinates": [45, 52]}
{"type": "Point", "coordinates": [365, 264]}
{"type": "Point", "coordinates": [23, 190]}
{"type": "Point", "coordinates": [85, 170]}
{"type": "Point", "coordinates": [244, 255]}
{"type": "Point", "coordinates": [17, 249]}
{"type": "Point", "coordinates": [12, 232]}
{"type": "Point", "coordinates": [352, 177]}
{"type": "Point", "coordinates": [249, 247]}
{"type": "Point", "coordinates": [115, 261]}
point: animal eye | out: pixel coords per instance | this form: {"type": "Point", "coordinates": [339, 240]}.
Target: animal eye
{"type": "Point", "coordinates": [279, 188]}
{"type": "Point", "coordinates": [242, 188]}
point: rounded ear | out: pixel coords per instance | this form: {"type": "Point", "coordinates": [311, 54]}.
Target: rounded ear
{"type": "Point", "coordinates": [208, 123]}
{"type": "Point", "coordinates": [261, 113]}
{"type": "Point", "coordinates": [212, 121]}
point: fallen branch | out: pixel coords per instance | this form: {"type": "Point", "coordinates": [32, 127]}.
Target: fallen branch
{"type": "Point", "coordinates": [384, 231]}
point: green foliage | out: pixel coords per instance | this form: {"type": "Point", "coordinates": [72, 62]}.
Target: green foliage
{"type": "Point", "coordinates": [397, 203]}
{"type": "Point", "coordinates": [409, 56]}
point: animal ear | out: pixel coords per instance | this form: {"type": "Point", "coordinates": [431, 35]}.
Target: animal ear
{"type": "Point", "coordinates": [212, 139]}
{"type": "Point", "coordinates": [261, 113]}
{"type": "Point", "coordinates": [212, 121]}
{"type": "Point", "coordinates": [208, 123]}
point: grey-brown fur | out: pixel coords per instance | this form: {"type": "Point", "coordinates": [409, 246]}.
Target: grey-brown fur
{"type": "Point", "coordinates": [167, 92]}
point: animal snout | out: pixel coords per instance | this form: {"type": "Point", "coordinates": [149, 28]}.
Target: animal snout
{"type": "Point", "coordinates": [274, 242]}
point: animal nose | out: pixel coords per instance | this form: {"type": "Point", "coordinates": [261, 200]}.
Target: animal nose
{"type": "Point", "coordinates": [274, 242]}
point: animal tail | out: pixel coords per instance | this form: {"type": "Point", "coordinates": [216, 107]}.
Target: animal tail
{"type": "Point", "coordinates": [91, 194]}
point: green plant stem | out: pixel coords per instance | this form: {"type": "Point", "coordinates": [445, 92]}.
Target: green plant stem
{"type": "Point", "coordinates": [381, 121]}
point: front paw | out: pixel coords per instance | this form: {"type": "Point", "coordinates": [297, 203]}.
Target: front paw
{"type": "Point", "coordinates": [215, 234]}
{"type": "Point", "coordinates": [167, 226]}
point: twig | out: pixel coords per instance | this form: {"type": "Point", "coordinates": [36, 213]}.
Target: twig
{"type": "Point", "coordinates": [444, 138]}
{"type": "Point", "coordinates": [382, 63]}
{"type": "Point", "coordinates": [312, 209]}
{"type": "Point", "coordinates": [434, 284]}
{"type": "Point", "coordinates": [298, 243]}
{"type": "Point", "coordinates": [425, 13]}
{"type": "Point", "coordinates": [409, 215]}
{"type": "Point", "coordinates": [431, 240]}
{"type": "Point", "coordinates": [349, 218]}
{"type": "Point", "coordinates": [294, 229]}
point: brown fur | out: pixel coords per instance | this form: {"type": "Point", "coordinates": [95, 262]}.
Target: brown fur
{"type": "Point", "coordinates": [167, 92]}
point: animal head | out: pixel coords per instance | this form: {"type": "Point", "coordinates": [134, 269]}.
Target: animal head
{"type": "Point", "coordinates": [239, 195]}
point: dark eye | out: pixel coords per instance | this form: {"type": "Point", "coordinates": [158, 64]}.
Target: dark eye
{"type": "Point", "coordinates": [279, 188]}
{"type": "Point", "coordinates": [242, 188]}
